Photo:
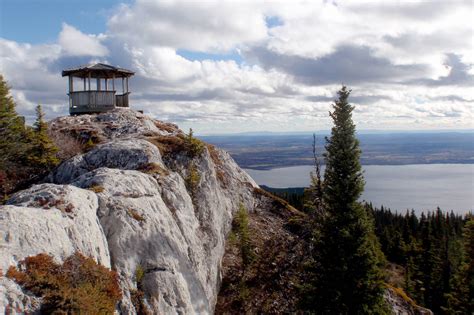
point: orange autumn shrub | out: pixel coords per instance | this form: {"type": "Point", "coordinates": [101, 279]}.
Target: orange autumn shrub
{"type": "Point", "coordinates": [78, 286]}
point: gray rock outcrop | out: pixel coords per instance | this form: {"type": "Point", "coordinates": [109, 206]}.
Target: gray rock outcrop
{"type": "Point", "coordinates": [53, 219]}
{"type": "Point", "coordinates": [126, 206]}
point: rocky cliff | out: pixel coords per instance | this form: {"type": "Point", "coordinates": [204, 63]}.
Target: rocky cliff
{"type": "Point", "coordinates": [144, 198]}
{"type": "Point", "coordinates": [129, 204]}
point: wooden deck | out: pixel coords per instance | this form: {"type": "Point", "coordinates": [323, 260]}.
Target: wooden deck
{"type": "Point", "coordinates": [83, 102]}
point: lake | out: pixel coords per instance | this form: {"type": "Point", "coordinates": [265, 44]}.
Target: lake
{"type": "Point", "coordinates": [400, 187]}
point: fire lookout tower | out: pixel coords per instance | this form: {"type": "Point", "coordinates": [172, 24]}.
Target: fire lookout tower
{"type": "Point", "coordinates": [102, 97]}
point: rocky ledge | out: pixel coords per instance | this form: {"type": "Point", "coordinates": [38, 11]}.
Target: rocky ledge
{"type": "Point", "coordinates": [128, 203]}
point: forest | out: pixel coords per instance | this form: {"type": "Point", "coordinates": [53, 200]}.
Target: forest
{"type": "Point", "coordinates": [428, 256]}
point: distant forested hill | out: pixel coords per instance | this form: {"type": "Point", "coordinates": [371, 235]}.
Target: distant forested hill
{"type": "Point", "coordinates": [269, 151]}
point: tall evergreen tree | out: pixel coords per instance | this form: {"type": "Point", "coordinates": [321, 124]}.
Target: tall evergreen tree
{"type": "Point", "coordinates": [13, 143]}
{"type": "Point", "coordinates": [349, 276]}
{"type": "Point", "coordinates": [43, 153]}
{"type": "Point", "coordinates": [12, 129]}
{"type": "Point", "coordinates": [461, 299]}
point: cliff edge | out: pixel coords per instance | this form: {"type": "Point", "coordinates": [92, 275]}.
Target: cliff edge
{"type": "Point", "coordinates": [138, 200]}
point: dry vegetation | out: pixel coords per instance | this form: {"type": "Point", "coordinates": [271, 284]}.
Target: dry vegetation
{"type": "Point", "coordinates": [214, 153]}
{"type": "Point", "coordinates": [168, 127]}
{"type": "Point", "coordinates": [78, 286]}
{"type": "Point", "coordinates": [400, 293]}
{"type": "Point", "coordinates": [168, 144]}
{"type": "Point", "coordinates": [277, 202]}
{"type": "Point", "coordinates": [96, 188]}
{"type": "Point", "coordinates": [50, 202]}
{"type": "Point", "coordinates": [135, 215]}
{"type": "Point", "coordinates": [138, 296]}
{"type": "Point", "coordinates": [68, 145]}
{"type": "Point", "coordinates": [270, 282]}
{"type": "Point", "coordinates": [154, 168]}
{"type": "Point", "coordinates": [180, 143]}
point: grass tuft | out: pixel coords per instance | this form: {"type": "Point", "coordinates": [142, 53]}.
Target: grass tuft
{"type": "Point", "coordinates": [96, 188]}
{"type": "Point", "coordinates": [135, 215]}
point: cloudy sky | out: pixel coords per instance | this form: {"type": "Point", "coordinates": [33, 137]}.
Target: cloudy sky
{"type": "Point", "coordinates": [233, 66]}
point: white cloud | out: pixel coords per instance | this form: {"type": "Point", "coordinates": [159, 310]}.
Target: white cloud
{"type": "Point", "coordinates": [406, 33]}
{"type": "Point", "coordinates": [194, 25]}
{"type": "Point", "coordinates": [406, 62]}
{"type": "Point", "coordinates": [75, 43]}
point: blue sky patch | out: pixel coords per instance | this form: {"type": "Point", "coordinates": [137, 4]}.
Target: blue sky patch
{"type": "Point", "coordinates": [34, 21]}
{"type": "Point", "coordinates": [273, 21]}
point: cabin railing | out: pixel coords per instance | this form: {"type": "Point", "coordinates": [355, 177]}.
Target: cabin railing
{"type": "Point", "coordinates": [91, 101]}
{"type": "Point", "coordinates": [121, 100]}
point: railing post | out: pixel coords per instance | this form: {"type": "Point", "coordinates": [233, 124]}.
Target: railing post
{"type": "Point", "coordinates": [71, 88]}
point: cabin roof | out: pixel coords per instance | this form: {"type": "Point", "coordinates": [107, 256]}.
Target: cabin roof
{"type": "Point", "coordinates": [97, 70]}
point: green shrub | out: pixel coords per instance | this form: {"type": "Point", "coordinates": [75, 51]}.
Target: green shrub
{"type": "Point", "coordinates": [43, 150]}
{"type": "Point", "coordinates": [192, 180]}
{"type": "Point", "coordinates": [139, 275]}
{"type": "Point", "coordinates": [244, 291]}
{"type": "Point", "coordinates": [194, 147]}
{"type": "Point", "coordinates": [4, 199]}
{"type": "Point", "coordinates": [232, 239]}
{"type": "Point", "coordinates": [241, 229]}
{"type": "Point", "coordinates": [78, 286]}
{"type": "Point", "coordinates": [138, 296]}
{"type": "Point", "coordinates": [89, 145]}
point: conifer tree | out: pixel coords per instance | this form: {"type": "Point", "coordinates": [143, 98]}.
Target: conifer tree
{"type": "Point", "coordinates": [12, 129]}
{"type": "Point", "coordinates": [461, 300]}
{"type": "Point", "coordinates": [13, 143]}
{"type": "Point", "coordinates": [313, 195]}
{"type": "Point", "coordinates": [43, 153]}
{"type": "Point", "coordinates": [348, 256]}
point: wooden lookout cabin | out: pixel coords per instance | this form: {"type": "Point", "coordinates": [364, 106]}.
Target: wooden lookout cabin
{"type": "Point", "coordinates": [98, 93]}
